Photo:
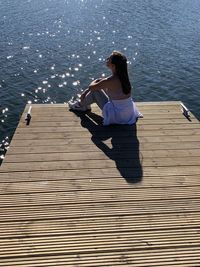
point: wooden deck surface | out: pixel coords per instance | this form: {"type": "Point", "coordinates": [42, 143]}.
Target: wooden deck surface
{"type": "Point", "coordinates": [75, 193]}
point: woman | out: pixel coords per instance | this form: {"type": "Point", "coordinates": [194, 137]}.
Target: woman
{"type": "Point", "coordinates": [111, 94]}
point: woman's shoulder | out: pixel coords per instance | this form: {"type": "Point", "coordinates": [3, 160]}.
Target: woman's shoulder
{"type": "Point", "coordinates": [114, 80]}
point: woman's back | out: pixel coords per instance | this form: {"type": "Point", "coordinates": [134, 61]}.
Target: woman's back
{"type": "Point", "coordinates": [114, 90]}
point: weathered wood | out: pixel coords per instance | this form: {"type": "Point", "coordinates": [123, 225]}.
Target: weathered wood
{"type": "Point", "coordinates": [164, 257]}
{"type": "Point", "coordinates": [98, 164]}
{"type": "Point", "coordinates": [75, 193]}
{"type": "Point", "coordinates": [102, 155]}
{"type": "Point", "coordinates": [108, 224]}
{"type": "Point", "coordinates": [59, 127]}
{"type": "Point", "coordinates": [103, 209]}
{"type": "Point", "coordinates": [21, 182]}
{"type": "Point", "coordinates": [78, 196]}
{"type": "Point", "coordinates": [119, 135]}
{"type": "Point", "coordinates": [120, 141]}
{"type": "Point", "coordinates": [106, 173]}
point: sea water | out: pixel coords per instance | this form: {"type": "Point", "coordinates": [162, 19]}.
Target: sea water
{"type": "Point", "coordinates": [51, 49]}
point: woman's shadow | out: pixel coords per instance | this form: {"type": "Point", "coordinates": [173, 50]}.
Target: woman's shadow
{"type": "Point", "coordinates": [125, 145]}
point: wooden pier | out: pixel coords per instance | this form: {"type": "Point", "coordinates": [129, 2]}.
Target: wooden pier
{"type": "Point", "coordinates": [75, 193]}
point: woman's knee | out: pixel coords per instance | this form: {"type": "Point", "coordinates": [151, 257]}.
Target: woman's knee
{"type": "Point", "coordinates": [100, 98]}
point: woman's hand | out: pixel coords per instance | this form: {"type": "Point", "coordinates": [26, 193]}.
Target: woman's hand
{"type": "Point", "coordinates": [84, 94]}
{"type": "Point", "coordinates": [82, 97]}
{"type": "Point", "coordinates": [99, 84]}
{"type": "Point", "coordinates": [96, 81]}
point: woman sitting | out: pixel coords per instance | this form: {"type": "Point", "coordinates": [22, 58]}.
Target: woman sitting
{"type": "Point", "coordinates": [112, 94]}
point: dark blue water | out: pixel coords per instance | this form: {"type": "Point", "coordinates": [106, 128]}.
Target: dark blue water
{"type": "Point", "coordinates": [49, 49]}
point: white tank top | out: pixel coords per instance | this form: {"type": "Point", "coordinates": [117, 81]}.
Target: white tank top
{"type": "Point", "coordinates": [116, 94]}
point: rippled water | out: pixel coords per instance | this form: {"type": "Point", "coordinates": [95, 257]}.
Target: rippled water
{"type": "Point", "coordinates": [49, 49]}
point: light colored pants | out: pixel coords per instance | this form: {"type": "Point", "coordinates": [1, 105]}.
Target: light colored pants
{"type": "Point", "coordinates": [98, 96]}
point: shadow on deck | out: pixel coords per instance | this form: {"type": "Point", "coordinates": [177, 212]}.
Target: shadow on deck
{"type": "Point", "coordinates": [125, 145]}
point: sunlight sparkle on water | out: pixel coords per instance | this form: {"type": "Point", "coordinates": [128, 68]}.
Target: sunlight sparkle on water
{"type": "Point", "coordinates": [4, 110]}
{"type": "Point", "coordinates": [26, 47]}
{"type": "Point", "coordinates": [76, 83]}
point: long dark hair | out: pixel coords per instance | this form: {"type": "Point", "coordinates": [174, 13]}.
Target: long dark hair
{"type": "Point", "coordinates": [120, 62]}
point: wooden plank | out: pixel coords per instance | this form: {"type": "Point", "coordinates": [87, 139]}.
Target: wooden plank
{"type": "Point", "coordinates": [46, 197]}
{"type": "Point", "coordinates": [114, 224]}
{"type": "Point", "coordinates": [102, 155]}
{"type": "Point", "coordinates": [120, 141]}
{"type": "Point", "coordinates": [22, 182]}
{"type": "Point", "coordinates": [166, 257]}
{"type": "Point", "coordinates": [63, 117]}
{"type": "Point", "coordinates": [98, 242]}
{"type": "Point", "coordinates": [96, 209]}
{"type": "Point", "coordinates": [143, 147]}
{"type": "Point", "coordinates": [61, 127]}
{"type": "Point", "coordinates": [57, 127]}
{"type": "Point", "coordinates": [40, 114]}
{"type": "Point", "coordinates": [76, 122]}
{"type": "Point", "coordinates": [60, 112]}
{"type": "Point", "coordinates": [75, 193]}
{"type": "Point", "coordinates": [118, 134]}
{"type": "Point", "coordinates": [99, 164]}
{"type": "Point", "coordinates": [104, 173]}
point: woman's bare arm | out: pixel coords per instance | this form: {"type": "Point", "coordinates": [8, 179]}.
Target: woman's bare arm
{"type": "Point", "coordinates": [99, 84]}
{"type": "Point", "coordinates": [88, 89]}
